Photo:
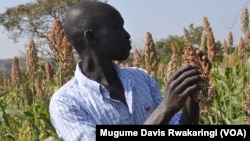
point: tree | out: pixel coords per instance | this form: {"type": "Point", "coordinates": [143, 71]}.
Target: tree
{"type": "Point", "coordinates": [163, 46]}
{"type": "Point", "coordinates": [34, 19]}
{"type": "Point", "coordinates": [195, 34]}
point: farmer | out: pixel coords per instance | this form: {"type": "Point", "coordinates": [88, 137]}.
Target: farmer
{"type": "Point", "coordinates": [101, 92]}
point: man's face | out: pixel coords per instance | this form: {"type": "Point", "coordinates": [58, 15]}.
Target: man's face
{"type": "Point", "coordinates": [113, 41]}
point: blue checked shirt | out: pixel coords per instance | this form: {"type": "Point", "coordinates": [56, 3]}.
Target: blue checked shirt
{"type": "Point", "coordinates": [81, 104]}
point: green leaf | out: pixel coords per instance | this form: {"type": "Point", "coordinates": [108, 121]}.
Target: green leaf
{"type": "Point", "coordinates": [29, 114]}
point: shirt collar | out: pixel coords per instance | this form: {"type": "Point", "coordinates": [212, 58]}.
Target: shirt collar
{"type": "Point", "coordinates": [83, 81]}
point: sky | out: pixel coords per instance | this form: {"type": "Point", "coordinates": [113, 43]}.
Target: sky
{"type": "Point", "coordinates": [161, 18]}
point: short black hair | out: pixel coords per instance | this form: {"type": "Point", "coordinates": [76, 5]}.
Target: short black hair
{"type": "Point", "coordinates": [81, 17]}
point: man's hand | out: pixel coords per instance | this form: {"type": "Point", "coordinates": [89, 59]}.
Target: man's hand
{"type": "Point", "coordinates": [183, 83]}
{"type": "Point", "coordinates": [180, 86]}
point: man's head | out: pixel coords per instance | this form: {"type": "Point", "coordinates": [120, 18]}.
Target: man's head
{"type": "Point", "coordinates": [97, 25]}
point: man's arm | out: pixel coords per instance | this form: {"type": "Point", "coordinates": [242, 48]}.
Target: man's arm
{"type": "Point", "coordinates": [179, 87]}
{"type": "Point", "coordinates": [191, 112]}
{"type": "Point", "coordinates": [161, 115]}
{"type": "Point", "coordinates": [70, 123]}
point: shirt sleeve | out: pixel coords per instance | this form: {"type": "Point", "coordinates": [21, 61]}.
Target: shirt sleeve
{"type": "Point", "coordinates": [71, 123]}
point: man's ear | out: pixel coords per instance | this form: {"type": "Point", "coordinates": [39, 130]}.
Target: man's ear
{"type": "Point", "coordinates": [89, 35]}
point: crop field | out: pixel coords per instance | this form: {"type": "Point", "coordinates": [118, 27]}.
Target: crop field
{"type": "Point", "coordinates": [224, 98]}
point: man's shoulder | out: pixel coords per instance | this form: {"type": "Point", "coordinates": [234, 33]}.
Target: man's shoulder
{"type": "Point", "coordinates": [135, 73]}
{"type": "Point", "coordinates": [61, 92]}
{"type": "Point", "coordinates": [134, 70]}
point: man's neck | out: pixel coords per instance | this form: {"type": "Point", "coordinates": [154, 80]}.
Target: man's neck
{"type": "Point", "coordinates": [98, 69]}
{"type": "Point", "coordinates": [103, 72]}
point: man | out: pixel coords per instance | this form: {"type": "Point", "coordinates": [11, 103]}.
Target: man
{"type": "Point", "coordinates": [103, 93]}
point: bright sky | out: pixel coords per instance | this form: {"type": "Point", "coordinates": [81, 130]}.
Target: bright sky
{"type": "Point", "coordinates": [159, 17]}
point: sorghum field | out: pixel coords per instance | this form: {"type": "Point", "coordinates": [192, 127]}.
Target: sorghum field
{"type": "Point", "coordinates": [224, 97]}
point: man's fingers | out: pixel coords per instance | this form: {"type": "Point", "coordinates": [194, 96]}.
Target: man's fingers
{"type": "Point", "coordinates": [190, 90]}
{"type": "Point", "coordinates": [180, 71]}
{"type": "Point", "coordinates": [188, 77]}
{"type": "Point", "coordinates": [188, 82]}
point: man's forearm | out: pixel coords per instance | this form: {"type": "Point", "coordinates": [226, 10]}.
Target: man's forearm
{"type": "Point", "coordinates": [191, 112]}
{"type": "Point", "coordinates": [161, 115]}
